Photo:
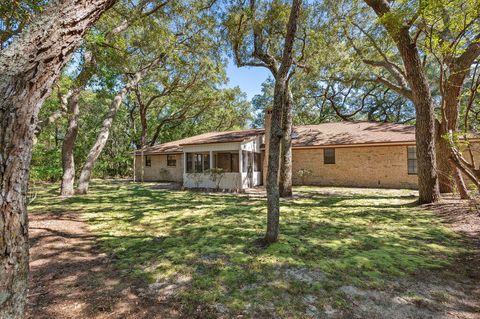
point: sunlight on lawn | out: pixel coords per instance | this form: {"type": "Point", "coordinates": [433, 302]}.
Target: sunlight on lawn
{"type": "Point", "coordinates": [203, 244]}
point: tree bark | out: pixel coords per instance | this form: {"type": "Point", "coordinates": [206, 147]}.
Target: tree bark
{"type": "Point", "coordinates": [28, 69]}
{"type": "Point", "coordinates": [273, 194]}
{"type": "Point", "coordinates": [101, 141]}
{"type": "Point", "coordinates": [459, 182]}
{"type": "Point", "coordinates": [458, 68]}
{"type": "Point", "coordinates": [276, 131]}
{"type": "Point", "coordinates": [425, 122]}
{"type": "Point", "coordinates": [68, 161]}
{"type": "Point", "coordinates": [445, 178]}
{"type": "Point", "coordinates": [286, 146]}
{"type": "Point", "coordinates": [421, 96]}
{"type": "Point", "coordinates": [448, 173]}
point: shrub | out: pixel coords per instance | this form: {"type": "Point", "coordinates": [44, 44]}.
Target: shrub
{"type": "Point", "coordinates": [304, 174]}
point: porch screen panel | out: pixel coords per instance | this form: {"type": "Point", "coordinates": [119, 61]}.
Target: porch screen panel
{"type": "Point", "coordinates": [244, 161]}
{"type": "Point", "coordinates": [257, 162]}
{"type": "Point", "coordinates": [198, 163]}
{"type": "Point", "coordinates": [235, 162]}
{"type": "Point", "coordinates": [189, 163]}
{"type": "Point", "coordinates": [224, 161]}
{"type": "Point", "coordinates": [206, 162]}
{"type": "Point", "coordinates": [247, 161]}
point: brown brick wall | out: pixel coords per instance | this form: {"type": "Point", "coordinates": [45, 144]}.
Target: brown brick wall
{"type": "Point", "coordinates": [368, 166]}
{"type": "Point", "coordinates": [159, 171]}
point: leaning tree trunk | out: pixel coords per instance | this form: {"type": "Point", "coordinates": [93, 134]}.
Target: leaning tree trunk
{"type": "Point", "coordinates": [97, 148]}
{"type": "Point", "coordinates": [459, 69]}
{"type": "Point", "coordinates": [459, 182]}
{"type": "Point", "coordinates": [68, 161]}
{"type": "Point", "coordinates": [448, 173]}
{"type": "Point", "coordinates": [28, 69]}
{"type": "Point", "coordinates": [286, 146]}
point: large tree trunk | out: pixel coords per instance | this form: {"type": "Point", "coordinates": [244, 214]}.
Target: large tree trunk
{"type": "Point", "coordinates": [276, 131]}
{"type": "Point", "coordinates": [421, 96]}
{"type": "Point", "coordinates": [28, 69]}
{"type": "Point", "coordinates": [68, 161]}
{"type": "Point", "coordinates": [425, 129]}
{"type": "Point", "coordinates": [444, 168]}
{"type": "Point", "coordinates": [276, 134]}
{"type": "Point", "coordinates": [286, 147]}
{"type": "Point", "coordinates": [97, 148]}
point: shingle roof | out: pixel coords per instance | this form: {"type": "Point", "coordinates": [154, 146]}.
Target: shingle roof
{"type": "Point", "coordinates": [348, 133]}
{"type": "Point", "coordinates": [224, 137]}
{"type": "Point", "coordinates": [207, 138]}
{"type": "Point", "coordinates": [339, 133]}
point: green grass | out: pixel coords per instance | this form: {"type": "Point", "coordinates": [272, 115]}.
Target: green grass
{"type": "Point", "coordinates": [333, 236]}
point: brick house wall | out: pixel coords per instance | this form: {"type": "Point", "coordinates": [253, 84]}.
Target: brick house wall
{"type": "Point", "coordinates": [363, 166]}
{"type": "Point", "coordinates": [159, 170]}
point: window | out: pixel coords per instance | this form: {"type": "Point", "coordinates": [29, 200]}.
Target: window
{"type": "Point", "coordinates": [197, 162]}
{"type": "Point", "coordinates": [223, 161]}
{"type": "Point", "coordinates": [328, 156]}
{"type": "Point", "coordinates": [189, 162]}
{"type": "Point", "coordinates": [235, 162]}
{"type": "Point", "coordinates": [251, 160]}
{"type": "Point", "coordinates": [171, 160]}
{"type": "Point", "coordinates": [412, 160]}
{"type": "Point", "coordinates": [228, 162]}
{"type": "Point", "coordinates": [148, 161]}
{"type": "Point", "coordinates": [206, 162]}
{"type": "Point", "coordinates": [246, 161]}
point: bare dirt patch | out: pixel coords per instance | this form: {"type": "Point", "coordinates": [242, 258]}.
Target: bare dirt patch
{"type": "Point", "coordinates": [71, 278]}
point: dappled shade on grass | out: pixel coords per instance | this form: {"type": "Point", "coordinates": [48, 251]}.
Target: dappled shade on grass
{"type": "Point", "coordinates": [202, 246]}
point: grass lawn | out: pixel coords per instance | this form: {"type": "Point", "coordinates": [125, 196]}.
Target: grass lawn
{"type": "Point", "coordinates": [199, 249]}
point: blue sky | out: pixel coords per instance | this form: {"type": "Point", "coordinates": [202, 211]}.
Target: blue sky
{"type": "Point", "coordinates": [249, 79]}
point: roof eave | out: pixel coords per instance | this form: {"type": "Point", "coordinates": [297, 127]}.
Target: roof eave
{"type": "Point", "coordinates": [396, 143]}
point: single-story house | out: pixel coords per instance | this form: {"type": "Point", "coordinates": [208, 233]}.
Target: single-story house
{"type": "Point", "coordinates": [356, 154]}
